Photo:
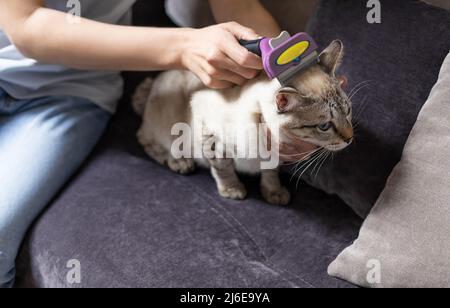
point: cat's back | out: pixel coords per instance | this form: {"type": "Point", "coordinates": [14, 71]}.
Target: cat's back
{"type": "Point", "coordinates": [170, 96]}
{"type": "Point", "coordinates": [176, 82]}
{"type": "Point", "coordinates": [232, 105]}
{"type": "Point", "coordinates": [167, 104]}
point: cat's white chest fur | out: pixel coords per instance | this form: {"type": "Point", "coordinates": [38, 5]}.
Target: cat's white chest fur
{"type": "Point", "coordinates": [233, 118]}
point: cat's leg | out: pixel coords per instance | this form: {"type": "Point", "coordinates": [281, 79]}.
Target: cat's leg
{"type": "Point", "coordinates": [227, 180]}
{"type": "Point", "coordinates": [272, 189]}
{"type": "Point", "coordinates": [156, 152]}
{"type": "Point", "coordinates": [222, 168]}
{"type": "Point", "coordinates": [182, 166]}
{"type": "Point", "coordinates": [162, 156]}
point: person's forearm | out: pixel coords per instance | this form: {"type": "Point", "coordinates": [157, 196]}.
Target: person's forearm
{"type": "Point", "coordinates": [250, 13]}
{"type": "Point", "coordinates": [213, 53]}
{"type": "Point", "coordinates": [47, 36]}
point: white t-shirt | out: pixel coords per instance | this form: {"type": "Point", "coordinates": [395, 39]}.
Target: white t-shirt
{"type": "Point", "coordinates": [24, 78]}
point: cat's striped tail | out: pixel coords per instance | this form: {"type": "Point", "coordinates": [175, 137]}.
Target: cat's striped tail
{"type": "Point", "coordinates": [141, 96]}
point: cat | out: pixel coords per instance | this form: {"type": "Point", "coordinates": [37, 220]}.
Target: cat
{"type": "Point", "coordinates": [314, 109]}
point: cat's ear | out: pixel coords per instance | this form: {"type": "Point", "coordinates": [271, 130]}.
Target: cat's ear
{"type": "Point", "coordinates": [331, 57]}
{"type": "Point", "coordinates": [288, 99]}
{"type": "Point", "coordinates": [343, 81]}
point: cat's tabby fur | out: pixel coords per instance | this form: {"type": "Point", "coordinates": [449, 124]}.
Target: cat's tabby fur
{"type": "Point", "coordinates": [314, 108]}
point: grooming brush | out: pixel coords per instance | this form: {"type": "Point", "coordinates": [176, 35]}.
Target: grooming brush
{"type": "Point", "coordinates": [285, 56]}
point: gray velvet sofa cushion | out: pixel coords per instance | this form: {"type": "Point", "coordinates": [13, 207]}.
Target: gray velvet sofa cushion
{"type": "Point", "coordinates": [400, 61]}
{"type": "Point", "coordinates": [407, 231]}
{"type": "Point", "coordinates": [132, 223]}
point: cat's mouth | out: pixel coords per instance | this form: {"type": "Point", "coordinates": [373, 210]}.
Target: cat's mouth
{"type": "Point", "coordinates": [307, 146]}
{"type": "Point", "coordinates": [336, 147]}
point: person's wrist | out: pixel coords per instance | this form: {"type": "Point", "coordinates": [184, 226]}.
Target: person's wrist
{"type": "Point", "coordinates": [176, 42]}
{"type": "Point", "coordinates": [184, 41]}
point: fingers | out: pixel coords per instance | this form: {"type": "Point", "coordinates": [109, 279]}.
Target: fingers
{"type": "Point", "coordinates": [216, 57]}
{"type": "Point", "coordinates": [231, 77]}
{"type": "Point", "coordinates": [241, 32]}
{"type": "Point", "coordinates": [239, 54]}
{"type": "Point", "coordinates": [221, 61]}
{"type": "Point", "coordinates": [203, 70]}
{"type": "Point", "coordinates": [230, 65]}
{"type": "Point", "coordinates": [218, 73]}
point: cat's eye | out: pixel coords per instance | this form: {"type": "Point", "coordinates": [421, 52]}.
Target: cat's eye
{"type": "Point", "coordinates": [326, 126]}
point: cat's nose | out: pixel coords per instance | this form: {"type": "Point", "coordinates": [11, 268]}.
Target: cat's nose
{"type": "Point", "coordinates": [347, 133]}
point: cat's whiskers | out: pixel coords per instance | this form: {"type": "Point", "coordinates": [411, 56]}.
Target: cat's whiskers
{"type": "Point", "coordinates": [359, 90]}
{"type": "Point", "coordinates": [322, 163]}
{"type": "Point", "coordinates": [310, 156]}
{"type": "Point", "coordinates": [304, 153]}
{"type": "Point", "coordinates": [362, 108]}
{"type": "Point", "coordinates": [307, 165]}
{"type": "Point", "coordinates": [359, 85]}
{"type": "Point", "coordinates": [303, 163]}
{"type": "Point", "coordinates": [295, 162]}
{"type": "Point", "coordinates": [306, 156]}
{"type": "Point", "coordinates": [307, 168]}
{"type": "Point", "coordinates": [297, 167]}
{"type": "Point", "coordinates": [324, 154]}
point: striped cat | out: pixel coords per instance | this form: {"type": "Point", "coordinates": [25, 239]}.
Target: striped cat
{"type": "Point", "coordinates": [314, 109]}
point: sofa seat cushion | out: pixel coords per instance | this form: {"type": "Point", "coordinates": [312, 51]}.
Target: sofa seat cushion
{"type": "Point", "coordinates": [132, 223]}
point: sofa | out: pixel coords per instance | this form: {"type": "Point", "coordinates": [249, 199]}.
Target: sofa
{"type": "Point", "coordinates": [130, 222]}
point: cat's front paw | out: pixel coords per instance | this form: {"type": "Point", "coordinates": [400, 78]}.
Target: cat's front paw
{"type": "Point", "coordinates": [182, 166]}
{"type": "Point", "coordinates": [238, 192]}
{"type": "Point", "coordinates": [280, 196]}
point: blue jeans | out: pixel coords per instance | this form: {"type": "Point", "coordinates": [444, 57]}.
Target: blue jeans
{"type": "Point", "coordinates": [42, 143]}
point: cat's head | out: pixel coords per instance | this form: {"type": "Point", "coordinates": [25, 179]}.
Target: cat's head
{"type": "Point", "coordinates": [314, 107]}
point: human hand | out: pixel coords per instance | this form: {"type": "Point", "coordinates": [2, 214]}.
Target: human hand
{"type": "Point", "coordinates": [216, 57]}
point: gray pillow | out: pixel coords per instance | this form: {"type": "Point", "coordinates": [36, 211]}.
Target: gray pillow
{"type": "Point", "coordinates": [445, 4]}
{"type": "Point", "coordinates": [404, 241]}
{"type": "Point", "coordinates": [400, 58]}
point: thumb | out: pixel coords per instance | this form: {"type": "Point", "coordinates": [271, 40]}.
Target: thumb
{"type": "Point", "coordinates": [241, 32]}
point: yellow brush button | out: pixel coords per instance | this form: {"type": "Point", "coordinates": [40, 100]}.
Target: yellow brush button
{"type": "Point", "coordinates": [293, 53]}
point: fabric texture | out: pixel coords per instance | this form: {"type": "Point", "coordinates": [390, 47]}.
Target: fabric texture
{"type": "Point", "coordinates": [25, 78]}
{"type": "Point", "coordinates": [292, 15]}
{"type": "Point", "coordinates": [396, 63]}
{"type": "Point", "coordinates": [407, 231]}
{"type": "Point", "coordinates": [42, 143]}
